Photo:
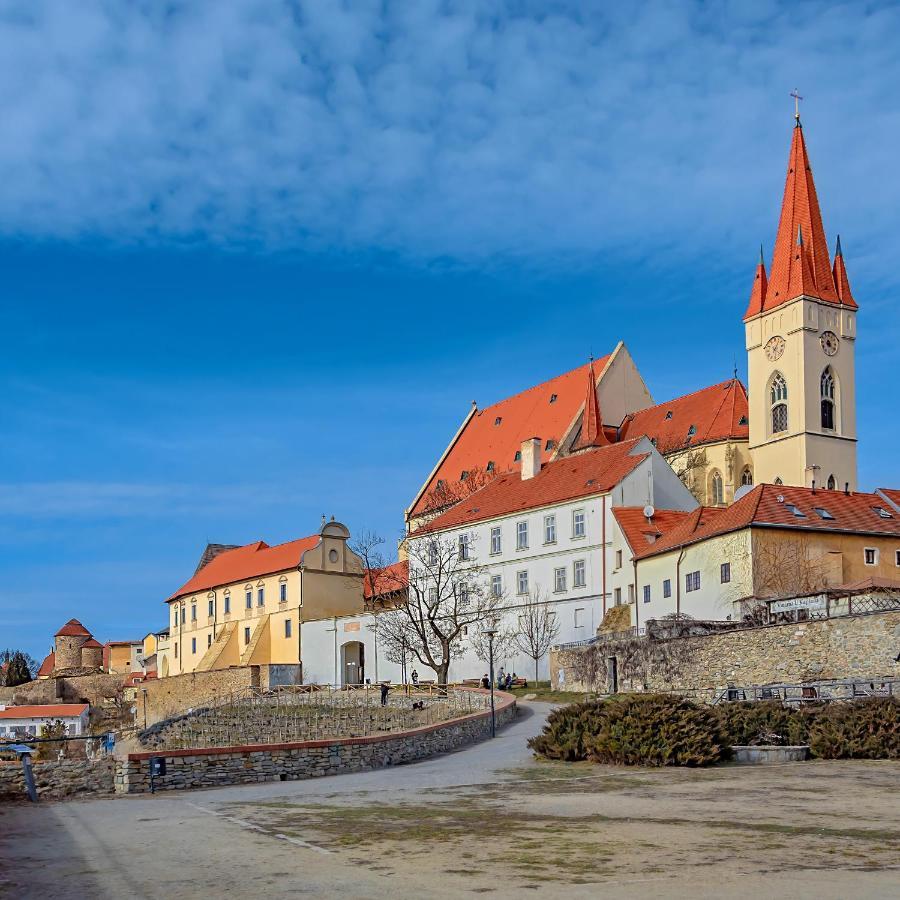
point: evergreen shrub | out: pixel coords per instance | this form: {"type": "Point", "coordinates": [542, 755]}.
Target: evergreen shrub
{"type": "Point", "coordinates": [861, 729]}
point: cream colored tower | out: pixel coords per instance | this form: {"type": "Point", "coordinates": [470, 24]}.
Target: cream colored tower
{"type": "Point", "coordinates": [800, 337]}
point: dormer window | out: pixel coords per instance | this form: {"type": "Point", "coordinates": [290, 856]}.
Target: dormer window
{"type": "Point", "coordinates": [882, 512]}
{"type": "Point", "coordinates": [518, 456]}
{"type": "Point", "coordinates": [498, 420]}
{"type": "Point", "coordinates": [490, 465]}
{"type": "Point", "coordinates": [795, 510]}
{"type": "Point", "coordinates": [669, 414]}
{"type": "Point", "coordinates": [692, 431]}
{"type": "Point", "coordinates": [550, 444]}
{"type": "Point", "coordinates": [553, 398]}
{"type": "Point", "coordinates": [463, 475]}
{"type": "Point", "coordinates": [823, 513]}
{"type": "Point", "coordinates": [742, 420]}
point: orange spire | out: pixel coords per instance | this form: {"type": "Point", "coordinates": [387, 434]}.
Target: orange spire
{"type": "Point", "coordinates": [840, 277]}
{"type": "Point", "coordinates": [807, 272]}
{"type": "Point", "coordinates": [591, 424]}
{"type": "Point", "coordinates": [758, 294]}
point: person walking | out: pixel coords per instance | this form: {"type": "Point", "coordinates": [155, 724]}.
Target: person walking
{"type": "Point", "coordinates": [385, 687]}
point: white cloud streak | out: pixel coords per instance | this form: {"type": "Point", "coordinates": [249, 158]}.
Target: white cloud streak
{"type": "Point", "coordinates": [457, 130]}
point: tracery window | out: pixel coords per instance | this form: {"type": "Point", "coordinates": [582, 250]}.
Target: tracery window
{"type": "Point", "coordinates": [826, 385]}
{"type": "Point", "coordinates": [778, 399]}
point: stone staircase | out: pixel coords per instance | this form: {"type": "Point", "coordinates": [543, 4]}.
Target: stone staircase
{"type": "Point", "coordinates": [261, 630]}
{"type": "Point", "coordinates": [211, 657]}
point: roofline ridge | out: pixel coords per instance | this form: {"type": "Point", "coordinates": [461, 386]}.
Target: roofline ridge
{"type": "Point", "coordinates": [709, 387]}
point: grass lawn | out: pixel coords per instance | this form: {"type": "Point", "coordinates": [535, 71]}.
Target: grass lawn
{"type": "Point", "coordinates": [540, 690]}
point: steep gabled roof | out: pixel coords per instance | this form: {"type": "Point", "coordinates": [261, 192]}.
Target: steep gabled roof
{"type": "Point", "coordinates": [495, 434]}
{"type": "Point", "coordinates": [640, 532]}
{"type": "Point", "coordinates": [773, 505]}
{"type": "Point", "coordinates": [568, 478]}
{"type": "Point", "coordinates": [715, 413]}
{"type": "Point", "coordinates": [250, 561]}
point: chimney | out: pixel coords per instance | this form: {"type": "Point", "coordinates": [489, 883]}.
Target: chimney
{"type": "Point", "coordinates": [531, 457]}
{"type": "Point", "coordinates": [847, 488]}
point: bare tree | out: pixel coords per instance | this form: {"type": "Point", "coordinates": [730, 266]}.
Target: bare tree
{"type": "Point", "coordinates": [448, 591]}
{"type": "Point", "coordinates": [690, 466]}
{"type": "Point", "coordinates": [785, 568]}
{"type": "Point", "coordinates": [537, 629]}
{"type": "Point", "coordinates": [503, 641]}
{"type": "Point", "coordinates": [445, 494]}
{"type": "Point", "coordinates": [383, 582]}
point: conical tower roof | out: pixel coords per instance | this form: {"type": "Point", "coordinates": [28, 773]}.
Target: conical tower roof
{"type": "Point", "coordinates": [591, 424]}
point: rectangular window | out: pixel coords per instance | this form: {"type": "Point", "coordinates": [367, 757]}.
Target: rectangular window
{"type": "Point", "coordinates": [249, 598]}
{"type": "Point", "coordinates": [579, 618]}
{"type": "Point", "coordinates": [522, 582]}
{"type": "Point", "coordinates": [246, 635]}
{"type": "Point", "coordinates": [463, 594]}
{"type": "Point", "coordinates": [549, 529]}
{"type": "Point", "coordinates": [559, 580]}
{"type": "Point", "coordinates": [871, 556]}
{"type": "Point", "coordinates": [725, 572]}
{"type": "Point", "coordinates": [176, 651]}
{"type": "Point", "coordinates": [287, 628]}
{"type": "Point", "coordinates": [631, 593]}
{"type": "Point", "coordinates": [261, 597]}
{"type": "Point", "coordinates": [183, 614]}
{"type": "Point", "coordinates": [578, 579]}
{"type": "Point", "coordinates": [282, 588]}
{"type": "Point", "coordinates": [667, 588]}
{"type": "Point", "coordinates": [692, 582]}
{"type": "Point", "coordinates": [897, 557]}
{"type": "Point", "coordinates": [208, 641]}
{"type": "Point", "coordinates": [646, 593]}
{"type": "Point", "coordinates": [432, 596]}
{"type": "Point", "coordinates": [618, 559]}
{"type": "Point", "coordinates": [193, 612]}
{"type": "Point", "coordinates": [463, 546]}
{"type": "Point", "coordinates": [521, 536]}
{"type": "Point", "coordinates": [210, 607]}
{"type": "Point", "coordinates": [193, 645]}
{"type": "Point", "coordinates": [495, 539]}
{"type": "Point", "coordinates": [496, 585]}
{"type": "Point", "coordinates": [578, 523]}
{"type": "Point", "coordinates": [617, 596]}
{"type": "Point", "coordinates": [432, 553]}
{"type": "Point", "coordinates": [227, 604]}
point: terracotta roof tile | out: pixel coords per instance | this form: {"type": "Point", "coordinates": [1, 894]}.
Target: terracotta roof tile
{"type": "Point", "coordinates": [250, 561]}
{"type": "Point", "coordinates": [73, 628]}
{"type": "Point", "coordinates": [92, 642]}
{"type": "Point", "coordinates": [495, 434]}
{"type": "Point", "coordinates": [587, 474]}
{"type": "Point", "coordinates": [386, 580]}
{"type": "Point", "coordinates": [715, 413]}
{"type": "Point", "coordinates": [761, 507]}
{"type": "Point", "coordinates": [44, 711]}
{"type": "Point", "coordinates": [48, 665]}
{"type": "Point", "coordinates": [641, 533]}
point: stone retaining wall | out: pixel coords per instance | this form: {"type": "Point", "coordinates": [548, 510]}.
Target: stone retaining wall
{"type": "Point", "coordinates": [214, 767]}
{"type": "Point", "coordinates": [862, 647]}
{"type": "Point", "coordinates": [58, 780]}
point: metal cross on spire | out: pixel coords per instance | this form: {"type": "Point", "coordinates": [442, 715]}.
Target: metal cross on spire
{"type": "Point", "coordinates": [797, 98]}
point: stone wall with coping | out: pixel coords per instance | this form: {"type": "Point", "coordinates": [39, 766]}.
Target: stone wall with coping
{"type": "Point", "coordinates": [213, 767]}
{"type": "Point", "coordinates": [58, 780]}
{"type": "Point", "coordinates": [862, 647]}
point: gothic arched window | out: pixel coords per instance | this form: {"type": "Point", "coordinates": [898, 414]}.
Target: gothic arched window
{"type": "Point", "coordinates": [778, 480]}
{"type": "Point", "coordinates": [826, 384]}
{"type": "Point", "coordinates": [747, 475]}
{"type": "Point", "coordinates": [778, 401]}
{"type": "Point", "coordinates": [717, 488]}
{"type": "Point", "coordinates": [832, 484]}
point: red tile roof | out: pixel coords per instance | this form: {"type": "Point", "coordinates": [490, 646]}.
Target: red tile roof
{"type": "Point", "coordinates": [892, 495]}
{"type": "Point", "coordinates": [584, 475]}
{"type": "Point", "coordinates": [91, 642]}
{"type": "Point", "coordinates": [800, 262]}
{"type": "Point", "coordinates": [48, 665]}
{"type": "Point", "coordinates": [73, 628]}
{"type": "Point", "coordinates": [641, 533]}
{"type": "Point", "coordinates": [715, 413]}
{"type": "Point", "coordinates": [386, 580]}
{"type": "Point", "coordinates": [44, 711]}
{"type": "Point", "coordinates": [591, 433]}
{"type": "Point", "coordinates": [496, 433]}
{"type": "Point", "coordinates": [761, 507]}
{"type": "Point", "coordinates": [250, 561]}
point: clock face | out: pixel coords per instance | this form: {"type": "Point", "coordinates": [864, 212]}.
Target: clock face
{"type": "Point", "coordinates": [774, 347]}
{"type": "Point", "coordinates": [830, 342]}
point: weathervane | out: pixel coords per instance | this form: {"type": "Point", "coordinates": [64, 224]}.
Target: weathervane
{"type": "Point", "coordinates": [797, 98]}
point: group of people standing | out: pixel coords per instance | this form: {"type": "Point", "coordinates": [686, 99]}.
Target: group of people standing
{"type": "Point", "coordinates": [504, 680]}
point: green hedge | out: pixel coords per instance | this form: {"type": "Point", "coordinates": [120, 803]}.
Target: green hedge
{"type": "Point", "coordinates": [634, 729]}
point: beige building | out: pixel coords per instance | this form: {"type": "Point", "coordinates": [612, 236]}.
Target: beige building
{"type": "Point", "coordinates": [246, 605]}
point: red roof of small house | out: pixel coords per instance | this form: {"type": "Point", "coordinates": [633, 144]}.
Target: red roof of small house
{"type": "Point", "coordinates": [715, 413]}
{"type": "Point", "coordinates": [773, 505]}
{"type": "Point", "coordinates": [73, 628]}
{"type": "Point", "coordinates": [45, 711]}
{"type": "Point", "coordinates": [495, 434]}
{"type": "Point", "coordinates": [133, 678]}
{"type": "Point", "coordinates": [250, 561]}
{"type": "Point", "coordinates": [593, 472]}
{"type": "Point", "coordinates": [386, 580]}
{"type": "Point", "coordinates": [48, 665]}
{"type": "Point", "coordinates": [91, 642]}
{"type": "Point", "coordinates": [800, 262]}
{"type": "Point", "coordinates": [641, 532]}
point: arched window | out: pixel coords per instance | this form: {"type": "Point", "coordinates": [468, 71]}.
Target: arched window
{"type": "Point", "coordinates": [832, 484]}
{"type": "Point", "coordinates": [747, 475]}
{"type": "Point", "coordinates": [778, 480]}
{"type": "Point", "coordinates": [717, 488]}
{"type": "Point", "coordinates": [778, 400]}
{"type": "Point", "coordinates": [826, 385]}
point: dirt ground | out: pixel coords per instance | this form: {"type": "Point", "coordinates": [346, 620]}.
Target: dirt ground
{"type": "Point", "coordinates": [487, 820]}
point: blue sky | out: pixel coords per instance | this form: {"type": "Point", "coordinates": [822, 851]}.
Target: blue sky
{"type": "Point", "coordinates": [257, 258]}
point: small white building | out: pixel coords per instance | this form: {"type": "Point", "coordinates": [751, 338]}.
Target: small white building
{"type": "Point", "coordinates": [28, 720]}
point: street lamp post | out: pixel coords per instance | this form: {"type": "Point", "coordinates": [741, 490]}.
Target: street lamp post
{"type": "Point", "coordinates": [490, 634]}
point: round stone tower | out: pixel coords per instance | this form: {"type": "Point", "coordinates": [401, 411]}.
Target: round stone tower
{"type": "Point", "coordinates": [69, 641]}
{"type": "Point", "coordinates": [92, 654]}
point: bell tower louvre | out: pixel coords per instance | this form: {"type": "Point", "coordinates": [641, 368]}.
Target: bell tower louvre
{"type": "Point", "coordinates": [800, 329]}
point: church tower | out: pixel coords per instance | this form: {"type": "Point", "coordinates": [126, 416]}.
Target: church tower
{"type": "Point", "coordinates": [800, 337]}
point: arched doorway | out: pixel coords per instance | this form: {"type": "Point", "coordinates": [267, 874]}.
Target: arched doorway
{"type": "Point", "coordinates": [353, 663]}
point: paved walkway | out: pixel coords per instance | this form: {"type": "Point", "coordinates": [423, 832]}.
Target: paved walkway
{"type": "Point", "coordinates": [488, 819]}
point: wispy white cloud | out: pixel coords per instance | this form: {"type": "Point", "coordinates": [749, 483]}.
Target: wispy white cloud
{"type": "Point", "coordinates": [460, 129]}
